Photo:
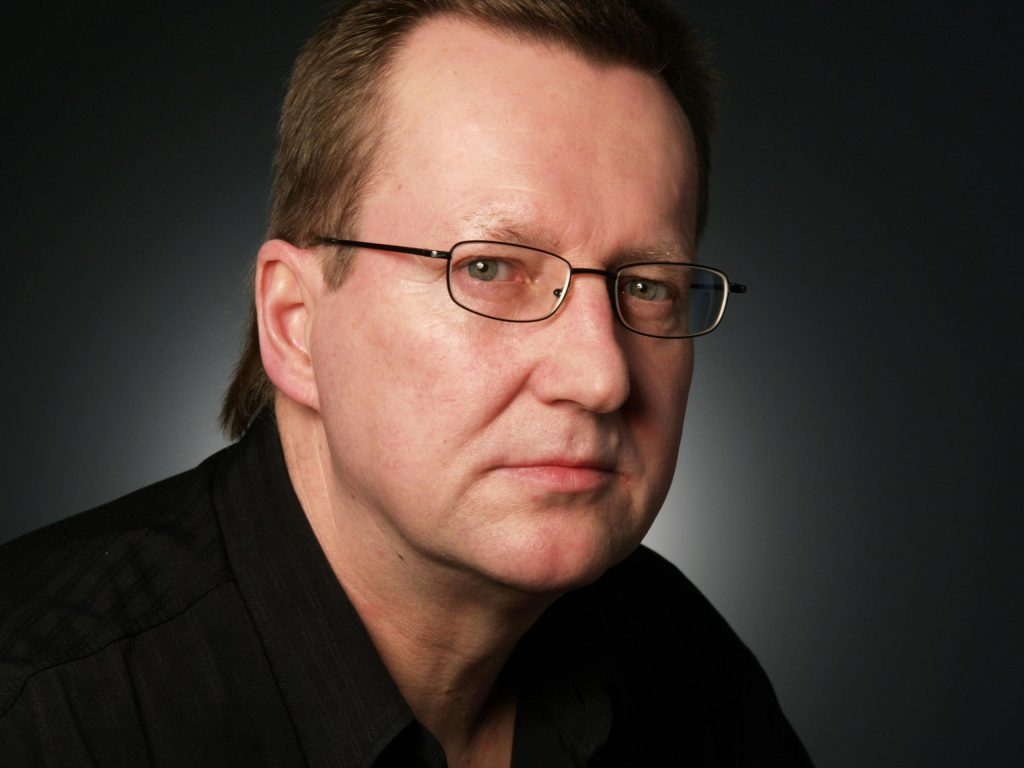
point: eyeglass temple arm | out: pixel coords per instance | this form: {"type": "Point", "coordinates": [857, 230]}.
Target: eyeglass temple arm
{"type": "Point", "coordinates": [430, 254]}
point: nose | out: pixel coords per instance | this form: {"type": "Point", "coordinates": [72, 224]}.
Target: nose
{"type": "Point", "coordinates": [585, 362]}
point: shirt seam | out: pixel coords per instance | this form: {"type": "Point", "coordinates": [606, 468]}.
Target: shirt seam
{"type": "Point", "coordinates": [99, 643]}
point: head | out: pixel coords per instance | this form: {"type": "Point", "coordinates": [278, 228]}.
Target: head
{"type": "Point", "coordinates": [333, 126]}
{"type": "Point", "coordinates": [533, 455]}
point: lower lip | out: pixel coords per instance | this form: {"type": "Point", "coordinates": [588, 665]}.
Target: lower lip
{"type": "Point", "coordinates": [560, 479]}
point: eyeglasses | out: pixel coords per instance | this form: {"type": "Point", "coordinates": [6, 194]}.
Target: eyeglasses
{"type": "Point", "coordinates": [519, 284]}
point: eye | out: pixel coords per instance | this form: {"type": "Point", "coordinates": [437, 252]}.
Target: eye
{"type": "Point", "coordinates": [646, 290]}
{"type": "Point", "coordinates": [486, 269]}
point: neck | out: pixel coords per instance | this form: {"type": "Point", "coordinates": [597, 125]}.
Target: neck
{"type": "Point", "coordinates": [444, 634]}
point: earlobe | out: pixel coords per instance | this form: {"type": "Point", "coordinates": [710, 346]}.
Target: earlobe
{"type": "Point", "coordinates": [287, 284]}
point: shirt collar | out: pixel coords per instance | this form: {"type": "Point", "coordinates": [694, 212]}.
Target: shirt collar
{"type": "Point", "coordinates": [345, 707]}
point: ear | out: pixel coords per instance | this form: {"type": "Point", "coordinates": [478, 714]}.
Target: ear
{"type": "Point", "coordinates": [288, 282]}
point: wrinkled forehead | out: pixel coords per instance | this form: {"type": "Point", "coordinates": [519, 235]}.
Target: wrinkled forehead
{"type": "Point", "coordinates": [520, 121]}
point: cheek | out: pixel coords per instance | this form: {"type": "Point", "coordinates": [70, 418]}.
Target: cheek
{"type": "Point", "coordinates": [661, 388]}
{"type": "Point", "coordinates": [409, 385]}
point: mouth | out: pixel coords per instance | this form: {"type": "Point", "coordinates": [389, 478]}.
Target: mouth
{"type": "Point", "coordinates": [560, 476]}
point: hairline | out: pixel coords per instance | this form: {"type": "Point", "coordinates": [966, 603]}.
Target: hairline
{"type": "Point", "coordinates": [378, 112]}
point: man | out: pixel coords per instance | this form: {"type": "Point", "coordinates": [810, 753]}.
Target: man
{"type": "Point", "coordinates": [461, 406]}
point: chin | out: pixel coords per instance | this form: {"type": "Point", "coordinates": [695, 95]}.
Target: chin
{"type": "Point", "coordinates": [553, 563]}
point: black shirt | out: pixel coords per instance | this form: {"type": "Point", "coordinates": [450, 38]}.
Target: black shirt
{"type": "Point", "coordinates": [197, 623]}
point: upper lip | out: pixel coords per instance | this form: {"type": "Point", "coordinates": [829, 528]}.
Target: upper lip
{"type": "Point", "coordinates": [571, 462]}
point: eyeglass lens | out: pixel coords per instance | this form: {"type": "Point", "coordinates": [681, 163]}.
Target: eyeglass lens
{"type": "Point", "coordinates": [510, 282]}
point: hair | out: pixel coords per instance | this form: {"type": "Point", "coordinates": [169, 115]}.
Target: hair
{"type": "Point", "coordinates": [334, 116]}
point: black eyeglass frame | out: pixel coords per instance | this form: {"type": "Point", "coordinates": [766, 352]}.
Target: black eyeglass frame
{"type": "Point", "coordinates": [611, 278]}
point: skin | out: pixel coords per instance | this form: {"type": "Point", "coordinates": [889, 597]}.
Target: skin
{"type": "Point", "coordinates": [460, 472]}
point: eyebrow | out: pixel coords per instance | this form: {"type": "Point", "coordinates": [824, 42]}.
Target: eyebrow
{"type": "Point", "coordinates": [497, 223]}
{"type": "Point", "coordinates": [668, 251]}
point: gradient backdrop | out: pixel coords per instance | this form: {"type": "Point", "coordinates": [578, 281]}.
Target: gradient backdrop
{"type": "Point", "coordinates": [849, 492]}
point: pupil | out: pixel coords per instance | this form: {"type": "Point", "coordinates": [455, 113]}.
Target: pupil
{"type": "Point", "coordinates": [483, 269]}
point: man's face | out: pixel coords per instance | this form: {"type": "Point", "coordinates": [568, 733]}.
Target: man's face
{"type": "Point", "coordinates": [536, 454]}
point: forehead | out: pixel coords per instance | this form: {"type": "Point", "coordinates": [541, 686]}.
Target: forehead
{"type": "Point", "coordinates": [485, 125]}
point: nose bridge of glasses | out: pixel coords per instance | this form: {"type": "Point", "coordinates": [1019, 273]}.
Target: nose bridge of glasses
{"type": "Point", "coordinates": [608, 275]}
{"type": "Point", "coordinates": [609, 284]}
{"type": "Point", "coordinates": [591, 271]}
{"type": "Point", "coordinates": [609, 281]}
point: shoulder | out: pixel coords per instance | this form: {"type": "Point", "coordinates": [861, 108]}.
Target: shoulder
{"type": "Point", "coordinates": [679, 674]}
{"type": "Point", "coordinates": [76, 586]}
{"type": "Point", "coordinates": [648, 590]}
{"type": "Point", "coordinates": [669, 627]}
{"type": "Point", "coordinates": [649, 622]}
{"type": "Point", "coordinates": [649, 631]}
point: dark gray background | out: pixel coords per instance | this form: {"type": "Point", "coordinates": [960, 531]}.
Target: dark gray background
{"type": "Point", "coordinates": [848, 492]}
